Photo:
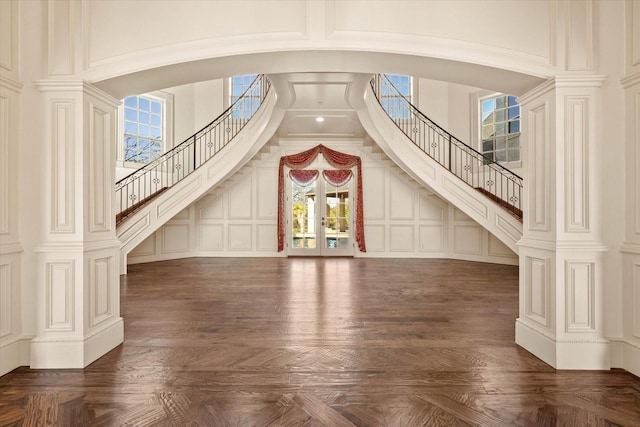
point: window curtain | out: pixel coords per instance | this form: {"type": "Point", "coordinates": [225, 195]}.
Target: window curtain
{"type": "Point", "coordinates": [304, 177]}
{"type": "Point", "coordinates": [337, 160]}
{"type": "Point", "coordinates": [337, 178]}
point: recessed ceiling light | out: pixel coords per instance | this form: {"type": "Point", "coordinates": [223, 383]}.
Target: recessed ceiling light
{"type": "Point", "coordinates": [319, 119]}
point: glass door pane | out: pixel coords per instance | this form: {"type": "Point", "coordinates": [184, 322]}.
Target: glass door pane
{"type": "Point", "coordinates": [303, 216]}
{"type": "Point", "coordinates": [336, 217]}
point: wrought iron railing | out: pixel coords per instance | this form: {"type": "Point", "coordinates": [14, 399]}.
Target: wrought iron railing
{"type": "Point", "coordinates": [478, 171]}
{"type": "Point", "coordinates": [182, 160]}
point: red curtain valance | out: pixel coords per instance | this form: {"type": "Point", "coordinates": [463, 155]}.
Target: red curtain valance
{"type": "Point", "coordinates": [337, 160]}
{"type": "Point", "coordinates": [338, 177]}
{"type": "Point", "coordinates": [303, 177]}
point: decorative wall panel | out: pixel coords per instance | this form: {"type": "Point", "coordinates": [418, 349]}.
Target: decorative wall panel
{"type": "Point", "coordinates": [538, 164]}
{"type": "Point", "coordinates": [467, 239]}
{"type": "Point", "coordinates": [102, 273]}
{"type": "Point", "coordinates": [59, 295]}
{"type": "Point", "coordinates": [212, 209]}
{"type": "Point", "coordinates": [401, 238]}
{"type": "Point", "coordinates": [100, 164]}
{"type": "Point", "coordinates": [147, 247]}
{"type": "Point", "coordinates": [401, 200]}
{"type": "Point", "coordinates": [267, 189]}
{"type": "Point", "coordinates": [430, 210]}
{"type": "Point", "coordinates": [240, 199]}
{"type": "Point", "coordinates": [62, 167]}
{"type": "Point", "coordinates": [374, 189]}
{"type": "Point", "coordinates": [267, 237]}
{"type": "Point", "coordinates": [579, 37]}
{"type": "Point", "coordinates": [375, 238]}
{"type": "Point", "coordinates": [537, 276]}
{"type": "Point", "coordinates": [240, 237]}
{"type": "Point", "coordinates": [431, 238]}
{"type": "Point", "coordinates": [211, 237]}
{"type": "Point", "coordinates": [175, 238]}
{"type": "Point", "coordinates": [577, 164]}
{"type": "Point", "coordinates": [633, 32]}
{"type": "Point", "coordinates": [60, 37]}
{"type": "Point", "coordinates": [6, 311]}
{"type": "Point", "coordinates": [499, 249]}
{"type": "Point", "coordinates": [636, 300]}
{"type": "Point", "coordinates": [580, 286]}
{"type": "Point", "coordinates": [5, 176]}
{"type": "Point", "coordinates": [9, 45]}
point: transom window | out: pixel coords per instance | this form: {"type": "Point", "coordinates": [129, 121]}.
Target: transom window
{"type": "Point", "coordinates": [500, 118]}
{"type": "Point", "coordinates": [144, 128]}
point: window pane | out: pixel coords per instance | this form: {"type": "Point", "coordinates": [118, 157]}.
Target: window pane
{"type": "Point", "coordinates": [512, 100]}
{"type": "Point", "coordinates": [514, 127]}
{"type": "Point", "coordinates": [156, 107]}
{"type": "Point", "coordinates": [130, 114]}
{"type": "Point", "coordinates": [501, 143]}
{"type": "Point", "coordinates": [501, 129]}
{"type": "Point", "coordinates": [131, 101]}
{"type": "Point", "coordinates": [501, 156]}
{"type": "Point", "coordinates": [514, 112]}
{"type": "Point", "coordinates": [514, 141]}
{"type": "Point", "coordinates": [488, 131]}
{"type": "Point", "coordinates": [501, 102]}
{"type": "Point", "coordinates": [487, 146]}
{"type": "Point", "coordinates": [156, 120]}
{"type": "Point", "coordinates": [143, 117]}
{"type": "Point", "coordinates": [500, 115]}
{"type": "Point", "coordinates": [130, 127]}
{"type": "Point", "coordinates": [488, 106]}
{"type": "Point", "coordinates": [143, 130]}
{"type": "Point", "coordinates": [156, 132]}
{"type": "Point", "coordinates": [489, 155]}
{"type": "Point", "coordinates": [514, 154]}
{"type": "Point", "coordinates": [143, 104]}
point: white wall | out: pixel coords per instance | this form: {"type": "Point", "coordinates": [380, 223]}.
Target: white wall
{"type": "Point", "coordinates": [401, 219]}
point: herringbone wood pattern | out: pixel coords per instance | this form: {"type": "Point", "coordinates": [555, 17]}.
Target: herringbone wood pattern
{"type": "Point", "coordinates": [319, 342]}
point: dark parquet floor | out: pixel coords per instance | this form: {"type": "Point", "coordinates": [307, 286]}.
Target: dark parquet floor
{"type": "Point", "coordinates": [319, 342]}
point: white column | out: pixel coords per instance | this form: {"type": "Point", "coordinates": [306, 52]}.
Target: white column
{"type": "Point", "coordinates": [78, 315]}
{"type": "Point", "coordinates": [561, 254]}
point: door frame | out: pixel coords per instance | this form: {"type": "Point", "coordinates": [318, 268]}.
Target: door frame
{"type": "Point", "coordinates": [321, 248]}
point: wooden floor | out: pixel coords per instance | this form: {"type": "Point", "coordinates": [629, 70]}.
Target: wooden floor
{"type": "Point", "coordinates": [319, 342]}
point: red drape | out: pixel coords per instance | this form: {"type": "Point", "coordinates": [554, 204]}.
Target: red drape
{"type": "Point", "coordinates": [337, 160]}
{"type": "Point", "coordinates": [303, 177]}
{"type": "Point", "coordinates": [337, 178]}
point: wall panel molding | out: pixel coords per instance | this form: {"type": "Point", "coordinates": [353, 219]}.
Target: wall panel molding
{"type": "Point", "coordinates": [579, 38]}
{"type": "Point", "coordinates": [577, 164]}
{"type": "Point", "coordinates": [59, 295]}
{"type": "Point", "coordinates": [240, 237]}
{"type": "Point", "coordinates": [62, 166]}
{"type": "Point", "coordinates": [211, 237]}
{"type": "Point", "coordinates": [175, 238]}
{"type": "Point", "coordinates": [580, 297]}
{"type": "Point", "coordinates": [60, 37]}
{"type": "Point", "coordinates": [9, 38]}
{"type": "Point", "coordinates": [6, 300]}
{"type": "Point", "coordinates": [102, 272]}
{"type": "Point", "coordinates": [539, 199]}
{"type": "Point", "coordinates": [636, 300]}
{"type": "Point", "coordinates": [100, 165]}
{"type": "Point", "coordinates": [537, 290]}
{"type": "Point", "coordinates": [5, 169]}
{"type": "Point", "coordinates": [401, 238]}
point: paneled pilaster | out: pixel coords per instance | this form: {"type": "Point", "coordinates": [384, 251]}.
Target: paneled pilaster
{"type": "Point", "coordinates": [561, 254]}
{"type": "Point", "coordinates": [78, 317]}
{"type": "Point", "coordinates": [631, 246]}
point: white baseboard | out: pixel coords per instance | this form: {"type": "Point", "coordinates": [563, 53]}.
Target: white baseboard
{"type": "Point", "coordinates": [14, 353]}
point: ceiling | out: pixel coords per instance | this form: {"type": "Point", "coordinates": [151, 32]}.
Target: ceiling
{"type": "Point", "coordinates": [320, 95]}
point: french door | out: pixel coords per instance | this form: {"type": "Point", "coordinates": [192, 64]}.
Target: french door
{"type": "Point", "coordinates": [319, 221]}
